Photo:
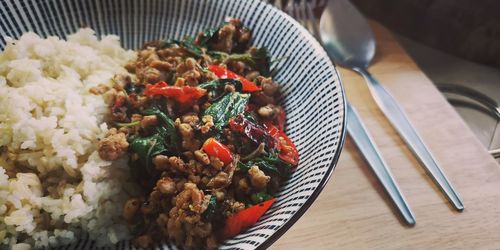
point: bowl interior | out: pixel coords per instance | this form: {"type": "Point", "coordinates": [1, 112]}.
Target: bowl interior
{"type": "Point", "coordinates": [311, 90]}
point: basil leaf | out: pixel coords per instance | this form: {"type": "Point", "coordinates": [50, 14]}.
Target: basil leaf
{"type": "Point", "coordinates": [269, 163]}
{"type": "Point", "coordinates": [262, 61]}
{"type": "Point", "coordinates": [212, 205]}
{"type": "Point", "coordinates": [169, 131]}
{"type": "Point", "coordinates": [208, 34]}
{"type": "Point", "coordinates": [188, 44]}
{"type": "Point", "coordinates": [147, 148]}
{"type": "Point", "coordinates": [191, 47]}
{"type": "Point", "coordinates": [227, 107]}
{"type": "Point", "coordinates": [215, 88]}
{"type": "Point", "coordinates": [260, 197]}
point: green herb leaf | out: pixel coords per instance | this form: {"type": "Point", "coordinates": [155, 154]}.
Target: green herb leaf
{"type": "Point", "coordinates": [130, 124]}
{"type": "Point", "coordinates": [212, 205]}
{"type": "Point", "coordinates": [218, 55]}
{"type": "Point", "coordinates": [168, 126]}
{"type": "Point", "coordinates": [227, 107]}
{"type": "Point", "coordinates": [262, 61]}
{"type": "Point", "coordinates": [208, 34]}
{"type": "Point", "coordinates": [260, 197]}
{"type": "Point", "coordinates": [269, 163]}
{"type": "Point", "coordinates": [191, 47]}
{"type": "Point", "coordinates": [147, 148]}
{"type": "Point", "coordinates": [216, 90]}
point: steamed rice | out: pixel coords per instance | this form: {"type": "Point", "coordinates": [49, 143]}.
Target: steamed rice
{"type": "Point", "coordinates": [53, 184]}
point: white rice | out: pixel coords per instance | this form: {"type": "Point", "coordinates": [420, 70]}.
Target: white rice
{"type": "Point", "coordinates": [53, 183]}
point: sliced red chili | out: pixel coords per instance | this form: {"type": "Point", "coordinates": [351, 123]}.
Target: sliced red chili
{"type": "Point", "coordinates": [119, 101]}
{"type": "Point", "coordinates": [254, 132]}
{"type": "Point", "coordinates": [221, 72]}
{"type": "Point", "coordinates": [216, 149]}
{"type": "Point", "coordinates": [245, 218]}
{"type": "Point", "coordinates": [288, 151]}
{"type": "Point", "coordinates": [184, 95]}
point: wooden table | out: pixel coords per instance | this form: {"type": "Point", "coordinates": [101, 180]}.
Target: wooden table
{"type": "Point", "coordinates": [353, 211]}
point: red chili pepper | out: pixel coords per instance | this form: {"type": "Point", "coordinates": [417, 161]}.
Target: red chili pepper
{"type": "Point", "coordinates": [216, 149]}
{"type": "Point", "coordinates": [288, 151]}
{"type": "Point", "coordinates": [245, 218]}
{"type": "Point", "coordinates": [184, 95]}
{"type": "Point", "coordinates": [253, 131]}
{"type": "Point", "coordinates": [221, 72]}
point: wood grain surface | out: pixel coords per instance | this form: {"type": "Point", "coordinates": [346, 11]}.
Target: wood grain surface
{"type": "Point", "coordinates": [353, 212]}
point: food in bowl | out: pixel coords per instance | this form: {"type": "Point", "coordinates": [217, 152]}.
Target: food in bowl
{"type": "Point", "coordinates": [204, 131]}
{"type": "Point", "coordinates": [182, 140]}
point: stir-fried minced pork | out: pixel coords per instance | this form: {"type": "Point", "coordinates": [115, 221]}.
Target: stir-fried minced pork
{"type": "Point", "coordinates": [201, 122]}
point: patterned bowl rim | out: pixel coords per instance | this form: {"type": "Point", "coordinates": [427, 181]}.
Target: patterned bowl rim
{"type": "Point", "coordinates": [302, 210]}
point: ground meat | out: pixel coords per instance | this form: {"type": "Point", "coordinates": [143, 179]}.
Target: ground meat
{"type": "Point", "coordinates": [202, 157]}
{"type": "Point", "coordinates": [229, 88]}
{"type": "Point", "coordinates": [149, 121]}
{"type": "Point", "coordinates": [162, 65]}
{"type": "Point", "coordinates": [190, 118]}
{"type": "Point", "coordinates": [189, 70]}
{"type": "Point", "coordinates": [184, 223]}
{"type": "Point", "coordinates": [161, 162]}
{"type": "Point", "coordinates": [99, 89]}
{"type": "Point", "coordinates": [208, 123]}
{"type": "Point", "coordinates": [150, 75]}
{"type": "Point", "coordinates": [221, 180]}
{"type": "Point", "coordinates": [243, 186]}
{"type": "Point", "coordinates": [219, 194]}
{"type": "Point", "coordinates": [216, 163]}
{"type": "Point", "coordinates": [172, 52]}
{"type": "Point", "coordinates": [237, 66]}
{"type": "Point", "coordinates": [261, 99]}
{"type": "Point", "coordinates": [136, 117]}
{"type": "Point", "coordinates": [188, 141]}
{"type": "Point", "coordinates": [225, 38]}
{"type": "Point", "coordinates": [119, 113]}
{"type": "Point", "coordinates": [131, 209]}
{"type": "Point", "coordinates": [191, 144]}
{"type": "Point", "coordinates": [151, 206]}
{"type": "Point", "coordinates": [269, 87]}
{"type": "Point", "coordinates": [269, 111]}
{"type": "Point", "coordinates": [178, 164]}
{"type": "Point", "coordinates": [121, 81]}
{"type": "Point", "coordinates": [237, 206]}
{"type": "Point", "coordinates": [186, 131]}
{"type": "Point", "coordinates": [113, 146]}
{"type": "Point", "coordinates": [252, 76]}
{"type": "Point", "coordinates": [166, 185]}
{"type": "Point", "coordinates": [258, 178]}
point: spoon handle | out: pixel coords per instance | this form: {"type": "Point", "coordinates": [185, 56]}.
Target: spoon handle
{"type": "Point", "coordinates": [359, 134]}
{"type": "Point", "coordinates": [399, 120]}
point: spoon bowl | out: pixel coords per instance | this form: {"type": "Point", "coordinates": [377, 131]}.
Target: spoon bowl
{"type": "Point", "coordinates": [348, 39]}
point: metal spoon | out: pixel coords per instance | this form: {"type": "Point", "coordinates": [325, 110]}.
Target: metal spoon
{"type": "Point", "coordinates": [349, 40]}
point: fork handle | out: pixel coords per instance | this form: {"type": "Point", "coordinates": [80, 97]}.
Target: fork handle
{"type": "Point", "coordinates": [399, 120]}
{"type": "Point", "coordinates": [364, 142]}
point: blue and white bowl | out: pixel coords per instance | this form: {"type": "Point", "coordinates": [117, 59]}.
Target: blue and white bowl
{"type": "Point", "coordinates": [312, 93]}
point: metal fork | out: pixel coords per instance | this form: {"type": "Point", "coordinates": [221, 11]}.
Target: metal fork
{"type": "Point", "coordinates": [303, 12]}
